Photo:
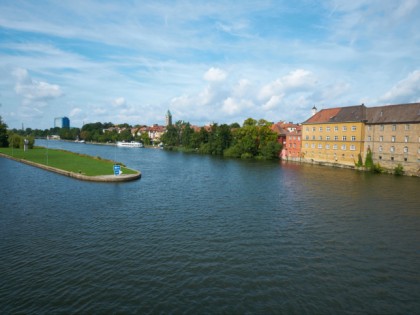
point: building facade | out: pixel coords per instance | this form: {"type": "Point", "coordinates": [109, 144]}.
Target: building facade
{"type": "Point", "coordinates": [335, 136]}
{"type": "Point", "coordinates": [392, 133]}
{"type": "Point", "coordinates": [62, 122]}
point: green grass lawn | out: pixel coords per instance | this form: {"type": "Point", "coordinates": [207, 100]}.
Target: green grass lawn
{"type": "Point", "coordinates": [68, 161]}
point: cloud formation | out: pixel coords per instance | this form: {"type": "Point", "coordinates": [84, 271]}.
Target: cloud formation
{"type": "Point", "coordinates": [33, 91]}
{"type": "Point", "coordinates": [224, 62]}
{"type": "Point", "coordinates": [406, 90]}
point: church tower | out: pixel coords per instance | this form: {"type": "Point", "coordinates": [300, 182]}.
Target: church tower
{"type": "Point", "coordinates": [168, 118]}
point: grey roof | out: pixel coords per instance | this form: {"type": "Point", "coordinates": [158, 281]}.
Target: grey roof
{"type": "Point", "coordinates": [401, 113]}
{"type": "Point", "coordinates": [351, 114]}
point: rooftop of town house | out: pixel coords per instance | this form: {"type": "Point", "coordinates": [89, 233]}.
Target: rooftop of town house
{"type": "Point", "coordinates": [400, 113]}
{"type": "Point", "coordinates": [323, 116]}
{"type": "Point", "coordinates": [354, 113]}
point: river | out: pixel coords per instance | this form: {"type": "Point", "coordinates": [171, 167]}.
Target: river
{"type": "Point", "coordinates": [201, 234]}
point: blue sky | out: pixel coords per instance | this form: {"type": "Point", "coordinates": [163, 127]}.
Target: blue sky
{"type": "Point", "coordinates": [205, 61]}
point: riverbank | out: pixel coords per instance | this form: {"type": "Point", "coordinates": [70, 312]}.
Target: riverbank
{"type": "Point", "coordinates": [79, 166]}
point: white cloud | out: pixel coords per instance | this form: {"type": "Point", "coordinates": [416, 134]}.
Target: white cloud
{"type": "Point", "coordinates": [296, 80]}
{"type": "Point", "coordinates": [215, 75]}
{"type": "Point", "coordinates": [34, 91]}
{"type": "Point", "coordinates": [273, 102]}
{"type": "Point", "coordinates": [407, 90]}
{"type": "Point", "coordinates": [75, 112]}
{"type": "Point", "coordinates": [120, 102]}
{"type": "Point", "coordinates": [232, 106]}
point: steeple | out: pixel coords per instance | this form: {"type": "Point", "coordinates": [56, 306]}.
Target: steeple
{"type": "Point", "coordinates": [168, 118]}
{"type": "Point", "coordinates": [314, 110]}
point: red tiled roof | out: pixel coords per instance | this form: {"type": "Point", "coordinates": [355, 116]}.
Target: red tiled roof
{"type": "Point", "coordinates": [323, 116]}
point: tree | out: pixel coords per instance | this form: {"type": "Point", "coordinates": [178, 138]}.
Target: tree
{"type": "Point", "coordinates": [170, 137]}
{"type": "Point", "coordinates": [3, 134]}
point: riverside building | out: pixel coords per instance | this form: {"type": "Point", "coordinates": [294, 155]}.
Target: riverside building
{"type": "Point", "coordinates": [343, 136]}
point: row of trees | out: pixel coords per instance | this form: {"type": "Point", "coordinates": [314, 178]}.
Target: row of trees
{"type": "Point", "coordinates": [89, 132]}
{"type": "Point", "coordinates": [254, 139]}
{"type": "Point", "coordinates": [12, 139]}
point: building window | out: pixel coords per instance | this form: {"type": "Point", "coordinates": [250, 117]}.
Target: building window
{"type": "Point", "coordinates": [344, 128]}
{"type": "Point", "coordinates": [320, 137]}
{"type": "Point", "coordinates": [353, 128]}
{"type": "Point", "coordinates": [343, 147]}
{"type": "Point", "coordinates": [313, 137]}
{"type": "Point", "coordinates": [406, 139]}
{"type": "Point", "coordinates": [393, 139]}
{"type": "Point", "coordinates": [320, 129]}
{"type": "Point", "coordinates": [313, 145]}
{"type": "Point", "coordinates": [380, 148]}
{"type": "Point", "coordinates": [336, 128]}
{"type": "Point", "coordinates": [319, 146]}
{"type": "Point", "coordinates": [394, 127]}
{"type": "Point", "coordinates": [381, 138]}
{"type": "Point", "coordinates": [307, 129]}
{"type": "Point", "coordinates": [381, 127]}
{"type": "Point", "coordinates": [352, 147]}
{"type": "Point", "coordinates": [405, 149]}
{"type": "Point", "coordinates": [335, 147]}
{"type": "Point", "coordinates": [327, 138]}
{"type": "Point", "coordinates": [313, 128]}
{"type": "Point", "coordinates": [307, 137]}
{"type": "Point", "coordinates": [335, 138]}
{"type": "Point", "coordinates": [369, 138]}
{"type": "Point", "coordinates": [298, 138]}
{"type": "Point", "coordinates": [328, 129]}
{"type": "Point", "coordinates": [327, 146]}
{"type": "Point", "coordinates": [392, 149]}
{"type": "Point", "coordinates": [380, 157]}
{"type": "Point", "coordinates": [353, 138]}
{"type": "Point", "coordinates": [369, 128]}
{"type": "Point", "coordinates": [407, 127]}
{"type": "Point", "coordinates": [306, 145]}
{"type": "Point", "coordinates": [344, 138]}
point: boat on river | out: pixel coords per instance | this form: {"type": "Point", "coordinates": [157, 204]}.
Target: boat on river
{"type": "Point", "coordinates": [131, 144]}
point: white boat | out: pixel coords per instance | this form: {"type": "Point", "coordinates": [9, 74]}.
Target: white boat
{"type": "Point", "coordinates": [131, 144]}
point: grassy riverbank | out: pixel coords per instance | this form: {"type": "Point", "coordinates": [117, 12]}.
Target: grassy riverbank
{"type": "Point", "coordinates": [68, 161]}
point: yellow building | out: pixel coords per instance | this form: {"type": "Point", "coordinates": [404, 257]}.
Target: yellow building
{"type": "Point", "coordinates": [335, 136]}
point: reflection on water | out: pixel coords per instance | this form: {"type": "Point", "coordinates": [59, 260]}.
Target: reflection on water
{"type": "Point", "coordinates": [199, 234]}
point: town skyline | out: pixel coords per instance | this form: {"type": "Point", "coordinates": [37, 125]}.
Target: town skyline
{"type": "Point", "coordinates": [130, 62]}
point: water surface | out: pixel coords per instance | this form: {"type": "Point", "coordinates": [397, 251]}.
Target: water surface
{"type": "Point", "coordinates": [200, 234]}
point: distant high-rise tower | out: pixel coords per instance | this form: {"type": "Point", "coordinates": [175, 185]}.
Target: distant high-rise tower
{"type": "Point", "coordinates": [168, 118]}
{"type": "Point", "coordinates": [62, 122]}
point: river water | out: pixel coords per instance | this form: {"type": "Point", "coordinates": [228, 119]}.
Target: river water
{"type": "Point", "coordinates": [201, 234]}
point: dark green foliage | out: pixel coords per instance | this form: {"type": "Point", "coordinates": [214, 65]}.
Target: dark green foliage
{"type": "Point", "coordinates": [399, 170]}
{"type": "Point", "coordinates": [377, 168]}
{"type": "Point", "coordinates": [359, 161]}
{"type": "Point", "coordinates": [369, 160]}
{"type": "Point", "coordinates": [17, 142]}
{"type": "Point", "coordinates": [4, 142]}
{"type": "Point", "coordinates": [254, 140]}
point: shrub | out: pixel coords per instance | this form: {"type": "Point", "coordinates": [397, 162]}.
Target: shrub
{"type": "Point", "coordinates": [377, 168]}
{"type": "Point", "coordinates": [399, 170]}
{"type": "Point", "coordinates": [360, 161]}
{"type": "Point", "coordinates": [369, 160]}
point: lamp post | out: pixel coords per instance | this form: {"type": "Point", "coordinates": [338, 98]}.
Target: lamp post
{"type": "Point", "coordinates": [47, 149]}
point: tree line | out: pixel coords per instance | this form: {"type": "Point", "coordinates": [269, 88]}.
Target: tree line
{"type": "Point", "coordinates": [254, 139]}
